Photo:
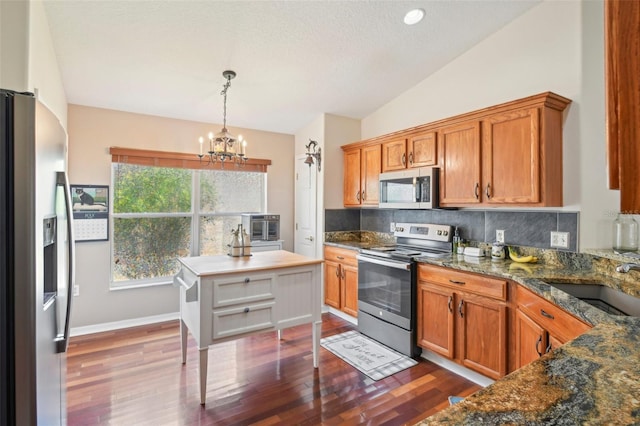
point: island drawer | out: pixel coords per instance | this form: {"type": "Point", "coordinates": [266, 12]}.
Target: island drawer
{"type": "Point", "coordinates": [242, 289]}
{"type": "Point", "coordinates": [464, 281]}
{"type": "Point", "coordinates": [242, 319]}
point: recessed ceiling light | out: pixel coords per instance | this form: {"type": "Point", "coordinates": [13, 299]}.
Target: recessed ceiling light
{"type": "Point", "coordinates": [414, 16]}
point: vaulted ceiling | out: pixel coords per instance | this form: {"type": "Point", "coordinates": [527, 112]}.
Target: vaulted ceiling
{"type": "Point", "coordinates": [294, 59]}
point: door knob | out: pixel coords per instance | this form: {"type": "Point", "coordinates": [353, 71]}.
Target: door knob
{"type": "Point", "coordinates": [310, 238]}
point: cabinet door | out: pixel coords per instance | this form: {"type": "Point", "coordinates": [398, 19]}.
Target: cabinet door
{"type": "Point", "coordinates": [459, 150]}
{"type": "Point", "coordinates": [436, 319]}
{"type": "Point", "coordinates": [394, 155]}
{"type": "Point", "coordinates": [332, 273]}
{"type": "Point", "coordinates": [483, 335]}
{"type": "Point", "coordinates": [422, 150]}
{"type": "Point", "coordinates": [531, 339]}
{"type": "Point", "coordinates": [351, 190]}
{"type": "Point", "coordinates": [370, 175]}
{"type": "Point", "coordinates": [511, 157]}
{"type": "Point", "coordinates": [350, 290]}
{"type": "Point", "coordinates": [554, 342]}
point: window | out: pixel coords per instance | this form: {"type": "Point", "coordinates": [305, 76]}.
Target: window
{"type": "Point", "coordinates": [162, 213]}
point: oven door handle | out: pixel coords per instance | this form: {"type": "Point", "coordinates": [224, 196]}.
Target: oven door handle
{"type": "Point", "coordinates": [398, 265]}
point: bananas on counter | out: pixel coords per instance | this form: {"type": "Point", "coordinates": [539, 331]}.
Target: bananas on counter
{"type": "Point", "coordinates": [521, 259]}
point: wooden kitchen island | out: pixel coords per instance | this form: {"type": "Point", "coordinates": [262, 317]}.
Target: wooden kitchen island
{"type": "Point", "coordinates": [224, 298]}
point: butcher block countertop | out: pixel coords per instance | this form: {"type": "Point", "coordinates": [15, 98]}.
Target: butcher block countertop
{"type": "Point", "coordinates": [593, 379]}
{"type": "Point", "coordinates": [204, 266]}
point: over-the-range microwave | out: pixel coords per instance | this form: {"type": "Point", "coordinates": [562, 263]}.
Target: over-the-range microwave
{"type": "Point", "coordinates": [410, 189]}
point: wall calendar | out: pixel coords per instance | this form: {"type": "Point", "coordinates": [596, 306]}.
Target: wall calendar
{"type": "Point", "coordinates": [90, 212]}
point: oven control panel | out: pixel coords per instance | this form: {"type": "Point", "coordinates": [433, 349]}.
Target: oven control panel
{"type": "Point", "coordinates": [425, 231]}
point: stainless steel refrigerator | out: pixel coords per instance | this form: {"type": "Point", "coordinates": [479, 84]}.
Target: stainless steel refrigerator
{"type": "Point", "coordinates": [36, 262]}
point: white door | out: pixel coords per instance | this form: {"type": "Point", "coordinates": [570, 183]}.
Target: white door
{"type": "Point", "coordinates": [305, 240]}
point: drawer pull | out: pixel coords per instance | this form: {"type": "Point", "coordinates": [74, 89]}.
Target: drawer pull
{"type": "Point", "coordinates": [460, 308]}
{"type": "Point", "coordinates": [457, 282]}
{"type": "Point", "coordinates": [549, 348]}
{"type": "Point", "coordinates": [246, 310]}
{"type": "Point", "coordinates": [538, 343]}
{"type": "Point", "coordinates": [338, 271]}
{"type": "Point", "coordinates": [246, 280]}
{"type": "Point", "coordinates": [545, 314]}
{"type": "Point", "coordinates": [449, 304]}
{"type": "Point", "coordinates": [340, 257]}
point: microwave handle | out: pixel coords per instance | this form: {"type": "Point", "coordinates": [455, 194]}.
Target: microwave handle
{"type": "Point", "coordinates": [416, 190]}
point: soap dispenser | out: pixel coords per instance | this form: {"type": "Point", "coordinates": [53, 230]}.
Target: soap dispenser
{"type": "Point", "coordinates": [456, 240]}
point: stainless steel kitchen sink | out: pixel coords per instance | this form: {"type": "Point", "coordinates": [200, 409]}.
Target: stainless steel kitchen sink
{"type": "Point", "coordinates": [607, 299]}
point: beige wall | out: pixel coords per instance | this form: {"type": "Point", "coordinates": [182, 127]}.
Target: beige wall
{"type": "Point", "coordinates": [557, 46]}
{"type": "Point", "coordinates": [91, 132]}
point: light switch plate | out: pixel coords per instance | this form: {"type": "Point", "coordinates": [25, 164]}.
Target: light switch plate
{"type": "Point", "coordinates": [392, 228]}
{"type": "Point", "coordinates": [559, 239]}
{"type": "Point", "coordinates": [500, 235]}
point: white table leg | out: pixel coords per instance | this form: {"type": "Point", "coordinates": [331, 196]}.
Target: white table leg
{"type": "Point", "coordinates": [316, 332]}
{"type": "Point", "coordinates": [183, 340]}
{"type": "Point", "coordinates": [279, 334]}
{"type": "Point", "coordinates": [204, 357]}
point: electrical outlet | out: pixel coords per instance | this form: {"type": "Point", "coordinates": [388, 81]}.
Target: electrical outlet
{"type": "Point", "coordinates": [500, 235]}
{"type": "Point", "coordinates": [76, 290]}
{"type": "Point", "coordinates": [559, 239]}
{"type": "Point", "coordinates": [392, 227]}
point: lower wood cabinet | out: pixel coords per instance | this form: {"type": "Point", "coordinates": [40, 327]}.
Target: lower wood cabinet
{"type": "Point", "coordinates": [541, 326]}
{"type": "Point", "coordinates": [463, 317]}
{"type": "Point", "coordinates": [341, 279]}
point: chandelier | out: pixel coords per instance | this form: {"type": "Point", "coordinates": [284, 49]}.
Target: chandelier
{"type": "Point", "coordinates": [223, 146]}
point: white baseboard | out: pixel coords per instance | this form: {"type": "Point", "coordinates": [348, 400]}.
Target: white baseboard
{"type": "Point", "coordinates": [457, 368]}
{"type": "Point", "coordinates": [116, 325]}
{"type": "Point", "coordinates": [338, 313]}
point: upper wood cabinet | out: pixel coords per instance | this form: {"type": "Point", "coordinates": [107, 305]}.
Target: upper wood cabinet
{"type": "Point", "coordinates": [361, 176]}
{"type": "Point", "coordinates": [504, 155]}
{"type": "Point", "coordinates": [512, 156]}
{"type": "Point", "coordinates": [460, 164]}
{"type": "Point", "coordinates": [394, 155]}
{"type": "Point", "coordinates": [422, 149]}
{"type": "Point", "coordinates": [622, 65]}
{"type": "Point", "coordinates": [416, 150]}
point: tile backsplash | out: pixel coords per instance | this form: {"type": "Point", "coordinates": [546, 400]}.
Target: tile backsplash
{"type": "Point", "coordinates": [523, 228]}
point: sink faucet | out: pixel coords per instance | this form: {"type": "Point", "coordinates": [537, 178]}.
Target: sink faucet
{"type": "Point", "coordinates": [626, 267]}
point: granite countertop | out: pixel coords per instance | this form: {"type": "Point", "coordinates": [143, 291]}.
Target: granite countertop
{"type": "Point", "coordinates": [593, 379]}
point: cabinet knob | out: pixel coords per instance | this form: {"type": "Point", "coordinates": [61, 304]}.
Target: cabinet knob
{"type": "Point", "coordinates": [246, 280]}
{"type": "Point", "coordinates": [246, 310]}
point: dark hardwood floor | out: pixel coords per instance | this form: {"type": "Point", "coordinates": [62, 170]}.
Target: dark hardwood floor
{"type": "Point", "coordinates": [135, 377]}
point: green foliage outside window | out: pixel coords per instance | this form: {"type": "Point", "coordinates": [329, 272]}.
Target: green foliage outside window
{"type": "Point", "coordinates": [147, 247]}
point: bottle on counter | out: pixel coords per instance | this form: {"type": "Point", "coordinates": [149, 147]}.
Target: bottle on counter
{"type": "Point", "coordinates": [625, 233]}
{"type": "Point", "coordinates": [456, 240]}
{"type": "Point", "coordinates": [246, 244]}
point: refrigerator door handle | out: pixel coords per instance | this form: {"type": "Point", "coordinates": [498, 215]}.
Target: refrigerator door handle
{"type": "Point", "coordinates": [62, 340]}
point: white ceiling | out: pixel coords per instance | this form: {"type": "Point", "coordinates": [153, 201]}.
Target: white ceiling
{"type": "Point", "coordinates": [295, 59]}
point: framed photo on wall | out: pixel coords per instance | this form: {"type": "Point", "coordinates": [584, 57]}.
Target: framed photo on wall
{"type": "Point", "coordinates": [90, 205]}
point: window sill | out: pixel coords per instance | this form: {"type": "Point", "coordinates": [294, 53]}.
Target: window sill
{"type": "Point", "coordinates": [142, 284]}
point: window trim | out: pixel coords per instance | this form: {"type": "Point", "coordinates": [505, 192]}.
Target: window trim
{"type": "Point", "coordinates": [195, 214]}
{"type": "Point", "coordinates": [144, 157]}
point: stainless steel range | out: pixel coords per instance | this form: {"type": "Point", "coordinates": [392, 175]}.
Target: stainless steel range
{"type": "Point", "coordinates": [387, 283]}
